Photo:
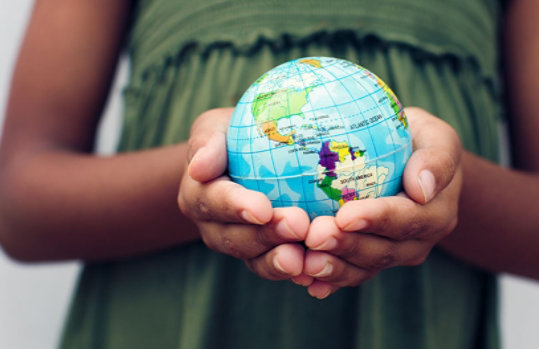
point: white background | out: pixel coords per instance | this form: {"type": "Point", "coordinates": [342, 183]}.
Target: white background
{"type": "Point", "coordinates": [34, 298]}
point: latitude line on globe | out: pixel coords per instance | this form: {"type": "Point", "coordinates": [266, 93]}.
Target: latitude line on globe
{"type": "Point", "coordinates": [339, 104]}
{"type": "Point", "coordinates": [368, 161]}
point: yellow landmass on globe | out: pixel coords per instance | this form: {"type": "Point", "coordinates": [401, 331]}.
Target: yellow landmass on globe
{"type": "Point", "coordinates": [340, 148]}
{"type": "Point", "coordinates": [395, 103]}
{"type": "Point", "coordinates": [312, 62]}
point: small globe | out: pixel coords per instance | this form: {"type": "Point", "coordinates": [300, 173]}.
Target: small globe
{"type": "Point", "coordinates": [318, 132]}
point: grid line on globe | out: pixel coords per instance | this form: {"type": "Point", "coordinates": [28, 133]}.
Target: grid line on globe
{"type": "Point", "coordinates": [342, 120]}
{"type": "Point", "coordinates": [317, 132]}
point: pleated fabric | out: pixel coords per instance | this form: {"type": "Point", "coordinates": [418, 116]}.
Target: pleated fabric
{"type": "Point", "coordinates": [187, 57]}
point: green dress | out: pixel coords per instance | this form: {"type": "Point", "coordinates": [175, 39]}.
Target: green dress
{"type": "Point", "coordinates": [187, 57]}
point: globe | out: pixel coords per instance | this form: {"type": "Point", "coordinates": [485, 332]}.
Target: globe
{"type": "Point", "coordinates": [317, 132]}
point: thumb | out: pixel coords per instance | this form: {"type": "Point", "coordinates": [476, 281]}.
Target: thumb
{"type": "Point", "coordinates": [436, 156]}
{"type": "Point", "coordinates": [206, 152]}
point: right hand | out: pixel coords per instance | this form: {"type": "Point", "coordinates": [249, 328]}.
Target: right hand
{"type": "Point", "coordinates": [232, 219]}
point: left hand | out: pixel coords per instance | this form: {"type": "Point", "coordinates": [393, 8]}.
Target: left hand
{"type": "Point", "coordinates": [232, 219]}
{"type": "Point", "coordinates": [367, 236]}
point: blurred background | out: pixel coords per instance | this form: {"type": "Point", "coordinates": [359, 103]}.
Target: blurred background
{"type": "Point", "coordinates": [34, 298]}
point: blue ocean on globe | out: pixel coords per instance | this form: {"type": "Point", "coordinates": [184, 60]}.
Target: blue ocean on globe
{"type": "Point", "coordinates": [317, 132]}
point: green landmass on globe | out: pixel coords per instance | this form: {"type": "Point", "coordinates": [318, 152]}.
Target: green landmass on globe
{"type": "Point", "coordinates": [270, 107]}
{"type": "Point", "coordinates": [318, 132]}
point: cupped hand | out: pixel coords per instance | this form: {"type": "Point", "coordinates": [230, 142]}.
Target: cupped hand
{"type": "Point", "coordinates": [367, 236]}
{"type": "Point", "coordinates": [232, 219]}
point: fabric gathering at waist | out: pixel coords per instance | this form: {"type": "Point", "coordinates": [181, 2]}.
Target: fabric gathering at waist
{"type": "Point", "coordinates": [460, 28]}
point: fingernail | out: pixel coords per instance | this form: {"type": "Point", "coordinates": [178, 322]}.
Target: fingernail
{"type": "Point", "coordinates": [278, 266]}
{"type": "Point", "coordinates": [283, 228]}
{"type": "Point", "coordinates": [327, 245]}
{"type": "Point", "coordinates": [328, 269]}
{"type": "Point", "coordinates": [426, 183]}
{"type": "Point", "coordinates": [355, 225]}
{"type": "Point", "coordinates": [246, 215]}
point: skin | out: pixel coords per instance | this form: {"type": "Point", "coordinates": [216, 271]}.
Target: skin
{"type": "Point", "coordinates": [500, 205]}
{"type": "Point", "coordinates": [58, 201]}
{"type": "Point", "coordinates": [401, 230]}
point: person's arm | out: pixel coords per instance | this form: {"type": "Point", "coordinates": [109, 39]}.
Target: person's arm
{"type": "Point", "coordinates": [498, 225]}
{"type": "Point", "coordinates": [57, 201]}
{"type": "Point", "coordinates": [498, 214]}
{"type": "Point", "coordinates": [499, 208]}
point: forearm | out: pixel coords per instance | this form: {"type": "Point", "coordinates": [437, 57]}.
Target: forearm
{"type": "Point", "coordinates": [498, 225]}
{"type": "Point", "coordinates": [63, 205]}
{"type": "Point", "coordinates": [522, 80]}
{"type": "Point", "coordinates": [499, 210]}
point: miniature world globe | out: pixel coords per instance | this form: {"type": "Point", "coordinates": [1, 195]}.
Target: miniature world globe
{"type": "Point", "coordinates": [318, 132]}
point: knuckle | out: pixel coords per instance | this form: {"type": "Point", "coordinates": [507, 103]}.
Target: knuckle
{"type": "Point", "coordinates": [455, 138]}
{"type": "Point", "coordinates": [182, 204]}
{"type": "Point", "coordinates": [185, 206]}
{"type": "Point", "coordinates": [452, 225]}
{"type": "Point", "coordinates": [197, 209]}
{"type": "Point", "coordinates": [383, 223]}
{"type": "Point", "coordinates": [209, 242]}
{"type": "Point", "coordinates": [347, 251]}
{"type": "Point", "coordinates": [384, 259]}
{"type": "Point", "coordinates": [448, 229]}
{"type": "Point", "coordinates": [210, 113]}
{"type": "Point", "coordinates": [383, 220]}
{"type": "Point", "coordinates": [192, 145]}
{"type": "Point", "coordinates": [413, 229]}
{"type": "Point", "coordinates": [264, 237]}
{"type": "Point", "coordinates": [232, 248]}
{"type": "Point", "coordinates": [201, 119]}
{"type": "Point", "coordinates": [235, 244]}
{"type": "Point", "coordinates": [449, 163]}
{"type": "Point", "coordinates": [227, 201]}
{"type": "Point", "coordinates": [203, 208]}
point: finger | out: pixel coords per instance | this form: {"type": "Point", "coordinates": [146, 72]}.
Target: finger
{"type": "Point", "coordinates": [280, 263]}
{"type": "Point", "coordinates": [348, 275]}
{"type": "Point", "coordinates": [206, 152]}
{"type": "Point", "coordinates": [302, 280]}
{"type": "Point", "coordinates": [321, 289]}
{"type": "Point", "coordinates": [366, 251]}
{"type": "Point", "coordinates": [245, 241]}
{"type": "Point", "coordinates": [326, 267]}
{"type": "Point", "coordinates": [323, 234]}
{"type": "Point", "coordinates": [436, 155]}
{"type": "Point", "coordinates": [398, 217]}
{"type": "Point", "coordinates": [224, 201]}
